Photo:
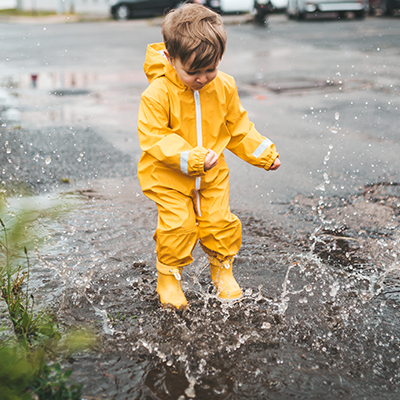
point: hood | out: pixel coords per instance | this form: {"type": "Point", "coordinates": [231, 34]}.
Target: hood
{"type": "Point", "coordinates": [156, 65]}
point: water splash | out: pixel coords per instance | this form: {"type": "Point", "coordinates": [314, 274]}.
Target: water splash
{"type": "Point", "coordinates": [311, 309]}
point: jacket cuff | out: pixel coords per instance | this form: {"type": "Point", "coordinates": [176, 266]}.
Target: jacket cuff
{"type": "Point", "coordinates": [271, 160]}
{"type": "Point", "coordinates": [196, 160]}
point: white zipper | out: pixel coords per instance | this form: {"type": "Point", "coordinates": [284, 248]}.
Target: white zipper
{"type": "Point", "coordinates": [199, 131]}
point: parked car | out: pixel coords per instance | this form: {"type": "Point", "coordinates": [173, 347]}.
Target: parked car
{"type": "Point", "coordinates": [228, 6]}
{"type": "Point", "coordinates": [125, 9]}
{"type": "Point", "coordinates": [385, 7]}
{"type": "Point", "coordinates": [300, 8]}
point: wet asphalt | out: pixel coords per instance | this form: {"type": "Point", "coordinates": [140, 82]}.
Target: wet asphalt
{"type": "Point", "coordinates": [325, 91]}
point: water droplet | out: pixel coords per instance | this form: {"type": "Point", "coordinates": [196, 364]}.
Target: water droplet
{"type": "Point", "coordinates": [308, 288]}
{"type": "Point", "coordinates": [334, 129]}
{"type": "Point", "coordinates": [303, 300]}
{"type": "Point", "coordinates": [266, 325]}
{"type": "Point", "coordinates": [337, 116]}
{"type": "Point", "coordinates": [334, 289]}
{"type": "Point", "coordinates": [48, 160]}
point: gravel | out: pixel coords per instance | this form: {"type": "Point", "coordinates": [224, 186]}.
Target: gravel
{"type": "Point", "coordinates": [42, 160]}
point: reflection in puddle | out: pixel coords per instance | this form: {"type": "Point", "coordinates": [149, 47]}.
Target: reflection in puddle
{"type": "Point", "coordinates": [73, 98]}
{"type": "Point", "coordinates": [319, 318]}
{"type": "Point", "coordinates": [67, 80]}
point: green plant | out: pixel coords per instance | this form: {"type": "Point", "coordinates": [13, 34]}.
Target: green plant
{"type": "Point", "coordinates": [118, 317]}
{"type": "Point", "coordinates": [31, 365]}
{"type": "Point", "coordinates": [53, 384]}
{"type": "Point", "coordinates": [28, 325]}
{"type": "Point", "coordinates": [27, 372]}
{"type": "Point", "coordinates": [16, 12]}
{"type": "Point", "coordinates": [16, 372]}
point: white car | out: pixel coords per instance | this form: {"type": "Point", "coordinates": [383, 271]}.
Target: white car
{"type": "Point", "coordinates": [300, 8]}
{"type": "Point", "coordinates": [229, 6]}
{"type": "Point", "coordinates": [278, 4]}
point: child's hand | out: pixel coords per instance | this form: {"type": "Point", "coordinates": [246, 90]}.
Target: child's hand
{"type": "Point", "coordinates": [211, 160]}
{"type": "Point", "coordinates": [275, 165]}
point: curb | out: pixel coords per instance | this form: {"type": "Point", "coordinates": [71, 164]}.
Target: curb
{"type": "Point", "coordinates": [54, 19]}
{"type": "Point", "coordinates": [51, 19]}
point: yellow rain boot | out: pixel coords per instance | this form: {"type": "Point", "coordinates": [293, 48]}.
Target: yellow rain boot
{"type": "Point", "coordinates": [223, 279]}
{"type": "Point", "coordinates": [169, 286]}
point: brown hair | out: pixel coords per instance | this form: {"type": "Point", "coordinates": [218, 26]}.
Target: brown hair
{"type": "Point", "coordinates": [194, 28]}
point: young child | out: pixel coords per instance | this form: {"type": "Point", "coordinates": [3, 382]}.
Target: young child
{"type": "Point", "coordinates": [188, 116]}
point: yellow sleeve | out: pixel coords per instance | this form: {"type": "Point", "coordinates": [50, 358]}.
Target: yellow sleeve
{"type": "Point", "coordinates": [159, 141]}
{"type": "Point", "coordinates": [246, 142]}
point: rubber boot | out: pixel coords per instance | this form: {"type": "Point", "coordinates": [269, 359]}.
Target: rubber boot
{"type": "Point", "coordinates": [169, 288]}
{"type": "Point", "coordinates": [223, 280]}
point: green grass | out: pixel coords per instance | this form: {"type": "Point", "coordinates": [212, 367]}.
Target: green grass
{"type": "Point", "coordinates": [32, 361]}
{"type": "Point", "coordinates": [24, 13]}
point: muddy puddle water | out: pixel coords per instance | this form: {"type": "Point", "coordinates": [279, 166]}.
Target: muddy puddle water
{"type": "Point", "coordinates": [319, 318]}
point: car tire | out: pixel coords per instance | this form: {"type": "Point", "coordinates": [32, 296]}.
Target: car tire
{"type": "Point", "coordinates": [122, 13]}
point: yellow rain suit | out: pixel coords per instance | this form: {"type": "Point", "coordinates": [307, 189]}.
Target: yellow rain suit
{"type": "Point", "coordinates": [176, 127]}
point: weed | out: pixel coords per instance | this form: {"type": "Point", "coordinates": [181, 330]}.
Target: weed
{"type": "Point", "coordinates": [31, 365]}
{"type": "Point", "coordinates": [53, 383]}
{"type": "Point", "coordinates": [114, 320]}
{"type": "Point", "coordinates": [16, 12]}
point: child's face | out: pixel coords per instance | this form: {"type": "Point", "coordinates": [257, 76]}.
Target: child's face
{"type": "Point", "coordinates": [193, 79]}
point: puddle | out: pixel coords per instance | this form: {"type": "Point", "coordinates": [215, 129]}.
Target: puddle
{"type": "Point", "coordinates": [70, 92]}
{"type": "Point", "coordinates": [72, 98]}
{"type": "Point", "coordinates": [319, 318]}
{"type": "Point", "coordinates": [301, 84]}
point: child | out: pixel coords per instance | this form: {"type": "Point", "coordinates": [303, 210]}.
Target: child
{"type": "Point", "coordinates": [188, 115]}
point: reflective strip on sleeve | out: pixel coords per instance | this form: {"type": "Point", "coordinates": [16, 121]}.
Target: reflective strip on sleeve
{"type": "Point", "coordinates": [260, 149]}
{"type": "Point", "coordinates": [184, 162]}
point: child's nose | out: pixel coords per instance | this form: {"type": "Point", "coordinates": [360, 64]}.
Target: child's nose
{"type": "Point", "coordinates": [202, 78]}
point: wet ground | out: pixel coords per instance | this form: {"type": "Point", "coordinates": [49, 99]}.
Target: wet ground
{"type": "Point", "coordinates": [319, 318]}
{"type": "Point", "coordinates": [319, 264]}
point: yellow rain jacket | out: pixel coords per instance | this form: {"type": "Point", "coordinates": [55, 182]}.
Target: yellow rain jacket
{"type": "Point", "coordinates": [176, 128]}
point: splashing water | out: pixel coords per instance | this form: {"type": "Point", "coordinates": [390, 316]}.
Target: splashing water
{"type": "Point", "coordinates": [318, 315]}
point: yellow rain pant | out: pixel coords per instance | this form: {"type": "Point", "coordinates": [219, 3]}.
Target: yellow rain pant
{"type": "Point", "coordinates": [181, 224]}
